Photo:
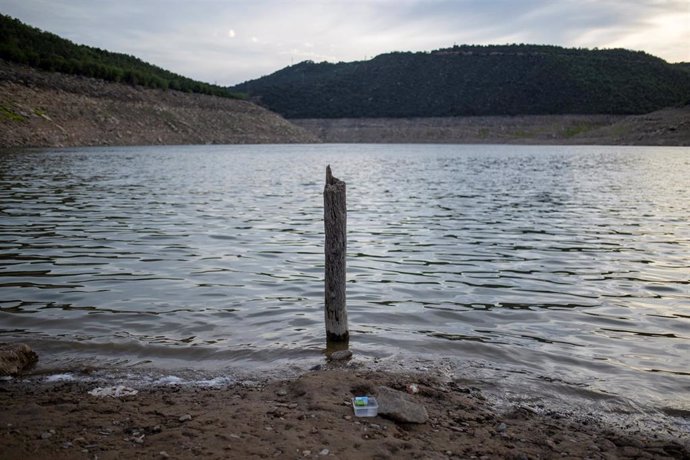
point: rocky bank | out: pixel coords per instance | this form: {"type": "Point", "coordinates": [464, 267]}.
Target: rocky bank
{"type": "Point", "coordinates": [44, 109]}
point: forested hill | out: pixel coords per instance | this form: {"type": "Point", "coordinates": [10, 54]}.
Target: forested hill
{"type": "Point", "coordinates": [24, 44]}
{"type": "Point", "coordinates": [476, 80]}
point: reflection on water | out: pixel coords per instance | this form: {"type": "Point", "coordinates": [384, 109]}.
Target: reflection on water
{"type": "Point", "coordinates": [556, 262]}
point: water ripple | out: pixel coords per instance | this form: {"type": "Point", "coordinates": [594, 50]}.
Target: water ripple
{"type": "Point", "coordinates": [566, 262]}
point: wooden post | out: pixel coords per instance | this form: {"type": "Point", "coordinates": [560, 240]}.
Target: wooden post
{"type": "Point", "coordinates": [335, 222]}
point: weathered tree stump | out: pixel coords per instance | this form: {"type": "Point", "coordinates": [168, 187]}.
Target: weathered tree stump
{"type": "Point", "coordinates": [335, 222]}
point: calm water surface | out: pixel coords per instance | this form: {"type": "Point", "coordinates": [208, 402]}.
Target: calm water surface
{"type": "Point", "coordinates": [532, 264]}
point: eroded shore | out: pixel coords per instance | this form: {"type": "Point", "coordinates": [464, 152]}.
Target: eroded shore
{"type": "Point", "coordinates": [309, 416]}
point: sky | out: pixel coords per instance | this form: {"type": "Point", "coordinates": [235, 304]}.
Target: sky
{"type": "Point", "coordinates": [230, 41]}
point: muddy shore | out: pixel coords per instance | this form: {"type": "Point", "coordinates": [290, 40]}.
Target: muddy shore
{"type": "Point", "coordinates": [309, 416]}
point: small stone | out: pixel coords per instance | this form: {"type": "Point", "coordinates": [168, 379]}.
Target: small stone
{"type": "Point", "coordinates": [67, 445]}
{"type": "Point", "coordinates": [185, 418]}
{"type": "Point", "coordinates": [501, 427]}
{"type": "Point", "coordinates": [306, 453]}
{"type": "Point", "coordinates": [163, 454]}
{"type": "Point", "coordinates": [268, 428]}
{"type": "Point", "coordinates": [341, 355]}
{"type": "Point", "coordinates": [348, 417]}
{"type": "Point", "coordinates": [398, 406]}
{"type": "Point", "coordinates": [46, 435]}
{"type": "Point", "coordinates": [282, 392]}
{"type": "Point", "coordinates": [15, 357]}
{"type": "Point", "coordinates": [324, 452]}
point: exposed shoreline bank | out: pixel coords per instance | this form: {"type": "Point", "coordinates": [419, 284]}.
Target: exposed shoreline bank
{"type": "Point", "coordinates": [669, 127]}
{"type": "Point", "coordinates": [47, 109]}
{"type": "Point", "coordinates": [309, 416]}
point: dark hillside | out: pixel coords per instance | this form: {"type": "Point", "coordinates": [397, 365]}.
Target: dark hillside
{"type": "Point", "coordinates": [476, 80]}
{"type": "Point", "coordinates": [23, 44]}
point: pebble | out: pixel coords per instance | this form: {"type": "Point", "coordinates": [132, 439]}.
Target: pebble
{"type": "Point", "coordinates": [306, 453]}
{"type": "Point", "coordinates": [324, 452]}
{"type": "Point", "coordinates": [46, 435]}
{"type": "Point", "coordinates": [348, 417]}
{"type": "Point", "coordinates": [501, 427]}
{"type": "Point", "coordinates": [163, 454]}
{"type": "Point", "coordinates": [185, 418]}
{"type": "Point", "coordinates": [282, 392]}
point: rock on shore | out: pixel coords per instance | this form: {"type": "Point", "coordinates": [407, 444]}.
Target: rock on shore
{"type": "Point", "coordinates": [15, 357]}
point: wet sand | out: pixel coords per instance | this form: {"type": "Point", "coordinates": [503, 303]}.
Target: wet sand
{"type": "Point", "coordinates": [306, 417]}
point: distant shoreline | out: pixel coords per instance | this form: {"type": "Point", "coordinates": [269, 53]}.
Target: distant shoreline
{"type": "Point", "coordinates": [669, 127]}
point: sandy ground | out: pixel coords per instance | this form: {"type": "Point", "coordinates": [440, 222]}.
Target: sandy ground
{"type": "Point", "coordinates": [307, 417]}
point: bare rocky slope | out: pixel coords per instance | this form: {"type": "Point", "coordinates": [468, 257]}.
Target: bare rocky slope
{"type": "Point", "coordinates": [44, 109]}
{"type": "Point", "coordinates": [664, 127]}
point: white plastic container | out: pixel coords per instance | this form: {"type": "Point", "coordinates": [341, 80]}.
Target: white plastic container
{"type": "Point", "coordinates": [370, 410]}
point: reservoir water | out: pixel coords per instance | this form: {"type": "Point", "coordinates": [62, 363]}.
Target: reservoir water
{"type": "Point", "coordinates": [560, 268]}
